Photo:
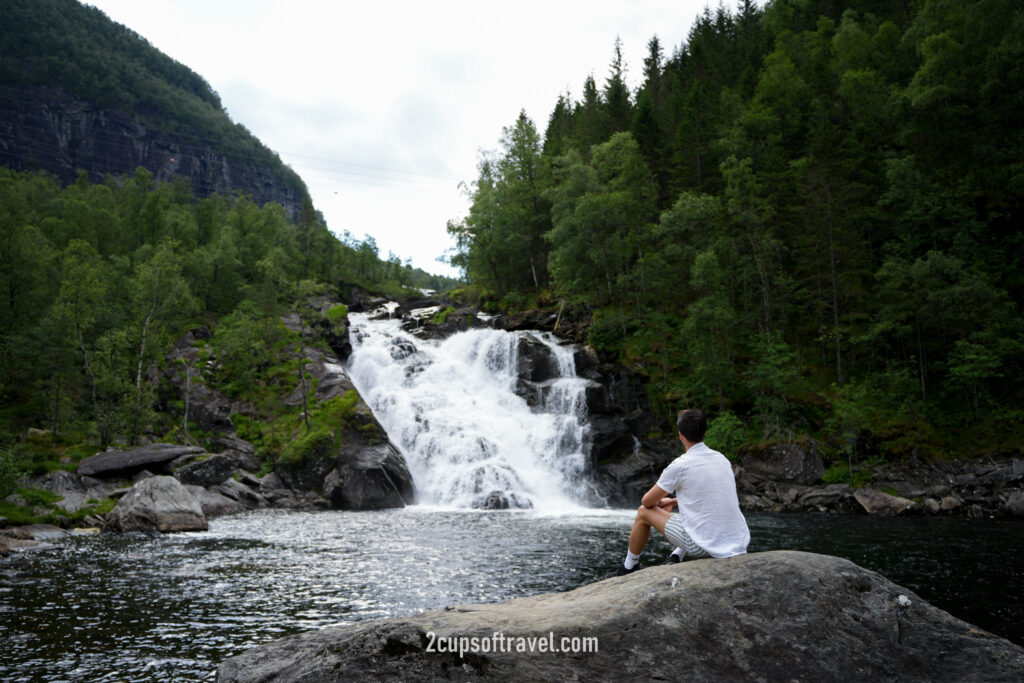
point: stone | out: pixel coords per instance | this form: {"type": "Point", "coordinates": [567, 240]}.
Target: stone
{"type": "Point", "coordinates": [611, 439]}
{"type": "Point", "coordinates": [237, 491]}
{"type": "Point", "coordinates": [239, 450]}
{"type": "Point", "coordinates": [771, 616]}
{"type": "Point", "coordinates": [932, 506]}
{"type": "Point", "coordinates": [127, 462]}
{"type": "Point", "coordinates": [1014, 504]}
{"type": "Point", "coordinates": [791, 461]}
{"type": "Point", "coordinates": [880, 503]}
{"type": "Point", "coordinates": [369, 478]}
{"type": "Point", "coordinates": [833, 497]}
{"type": "Point", "coordinates": [950, 503]}
{"type": "Point", "coordinates": [214, 504]}
{"type": "Point", "coordinates": [158, 504]}
{"type": "Point", "coordinates": [66, 485]}
{"type": "Point", "coordinates": [623, 483]}
{"type": "Point", "coordinates": [212, 470]}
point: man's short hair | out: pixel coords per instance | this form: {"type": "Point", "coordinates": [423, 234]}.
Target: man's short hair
{"type": "Point", "coordinates": [692, 424]}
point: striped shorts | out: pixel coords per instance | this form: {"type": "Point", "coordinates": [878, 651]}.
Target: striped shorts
{"type": "Point", "coordinates": [677, 536]}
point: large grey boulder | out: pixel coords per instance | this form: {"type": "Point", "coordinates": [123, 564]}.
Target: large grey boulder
{"type": "Point", "coordinates": [214, 504]}
{"type": "Point", "coordinates": [775, 616]}
{"type": "Point", "coordinates": [369, 478]}
{"type": "Point", "coordinates": [881, 503]}
{"type": "Point", "coordinates": [154, 457]}
{"type": "Point", "coordinates": [792, 461]}
{"type": "Point", "coordinates": [212, 470]}
{"type": "Point", "coordinates": [157, 504]}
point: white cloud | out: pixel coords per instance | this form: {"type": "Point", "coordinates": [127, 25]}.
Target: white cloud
{"type": "Point", "coordinates": [382, 107]}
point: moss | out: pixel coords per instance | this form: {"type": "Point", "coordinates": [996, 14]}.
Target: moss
{"type": "Point", "coordinates": [15, 514]}
{"type": "Point", "coordinates": [336, 313]}
{"type": "Point", "coordinates": [40, 497]}
{"type": "Point", "coordinates": [316, 443]}
{"type": "Point", "coordinates": [441, 317]}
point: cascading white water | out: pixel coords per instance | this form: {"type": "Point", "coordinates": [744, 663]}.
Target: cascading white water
{"type": "Point", "coordinates": [452, 409]}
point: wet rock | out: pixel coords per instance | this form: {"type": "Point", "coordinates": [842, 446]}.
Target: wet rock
{"type": "Point", "coordinates": [610, 438]}
{"type": "Point", "coordinates": [158, 504]}
{"type": "Point", "coordinates": [501, 500]}
{"type": "Point", "coordinates": [1014, 504]}
{"type": "Point", "coordinates": [932, 505]}
{"type": "Point", "coordinates": [369, 478]}
{"type": "Point", "coordinates": [128, 462]}
{"type": "Point", "coordinates": [296, 500]}
{"type": "Point", "coordinates": [623, 483]}
{"type": "Point", "coordinates": [837, 497]}
{"type": "Point", "coordinates": [792, 461]}
{"type": "Point", "coordinates": [237, 491]}
{"type": "Point", "coordinates": [214, 504]}
{"type": "Point", "coordinates": [880, 503]}
{"type": "Point", "coordinates": [950, 503]}
{"type": "Point", "coordinates": [213, 470]}
{"type": "Point", "coordinates": [755, 617]}
{"type": "Point", "coordinates": [534, 360]}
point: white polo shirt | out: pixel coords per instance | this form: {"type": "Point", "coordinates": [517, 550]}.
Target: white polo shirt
{"type": "Point", "coordinates": [705, 489]}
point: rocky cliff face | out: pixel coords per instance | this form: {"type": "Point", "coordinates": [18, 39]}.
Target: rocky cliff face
{"type": "Point", "coordinates": [46, 128]}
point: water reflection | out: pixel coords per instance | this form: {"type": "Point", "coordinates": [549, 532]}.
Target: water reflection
{"type": "Point", "coordinates": [144, 607]}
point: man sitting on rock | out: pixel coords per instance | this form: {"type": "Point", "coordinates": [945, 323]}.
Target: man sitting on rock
{"type": "Point", "coordinates": [709, 522]}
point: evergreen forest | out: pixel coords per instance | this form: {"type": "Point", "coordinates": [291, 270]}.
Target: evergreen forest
{"type": "Point", "coordinates": [806, 219]}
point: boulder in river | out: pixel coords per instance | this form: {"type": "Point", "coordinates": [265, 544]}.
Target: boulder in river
{"type": "Point", "coordinates": [772, 616]}
{"type": "Point", "coordinates": [369, 478]}
{"type": "Point", "coordinates": [881, 503]}
{"type": "Point", "coordinates": [157, 504]}
{"type": "Point", "coordinates": [132, 460]}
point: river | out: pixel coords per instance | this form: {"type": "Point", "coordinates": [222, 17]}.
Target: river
{"type": "Point", "coordinates": [135, 607]}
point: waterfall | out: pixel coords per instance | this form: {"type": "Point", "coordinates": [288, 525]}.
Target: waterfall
{"type": "Point", "coordinates": [484, 419]}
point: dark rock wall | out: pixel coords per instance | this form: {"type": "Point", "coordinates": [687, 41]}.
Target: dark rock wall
{"type": "Point", "coordinates": [48, 129]}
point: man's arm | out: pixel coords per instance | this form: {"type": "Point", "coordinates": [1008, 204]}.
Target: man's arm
{"type": "Point", "coordinates": [655, 497]}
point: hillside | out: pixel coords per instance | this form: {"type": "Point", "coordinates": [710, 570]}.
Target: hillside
{"type": "Point", "coordinates": [78, 91]}
{"type": "Point", "coordinates": [807, 220]}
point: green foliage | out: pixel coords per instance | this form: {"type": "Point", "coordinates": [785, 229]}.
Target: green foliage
{"type": "Point", "coordinates": [40, 497]}
{"type": "Point", "coordinates": [726, 433]}
{"type": "Point", "coordinates": [316, 443]}
{"type": "Point", "coordinates": [336, 313]}
{"type": "Point", "coordinates": [10, 473]}
{"type": "Point", "coordinates": [441, 316]}
{"type": "Point", "coordinates": [839, 473]}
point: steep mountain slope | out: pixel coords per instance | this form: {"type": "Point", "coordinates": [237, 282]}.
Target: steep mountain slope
{"type": "Point", "coordinates": [78, 91]}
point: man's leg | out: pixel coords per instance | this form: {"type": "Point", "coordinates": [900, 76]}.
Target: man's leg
{"type": "Point", "coordinates": [645, 519]}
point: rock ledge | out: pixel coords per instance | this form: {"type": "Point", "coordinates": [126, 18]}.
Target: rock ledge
{"type": "Point", "coordinates": [769, 616]}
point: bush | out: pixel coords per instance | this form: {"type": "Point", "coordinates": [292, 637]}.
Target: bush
{"type": "Point", "coordinates": [441, 317]}
{"type": "Point", "coordinates": [726, 433]}
{"type": "Point", "coordinates": [316, 443]}
{"type": "Point", "coordinates": [10, 473]}
{"type": "Point", "coordinates": [336, 313]}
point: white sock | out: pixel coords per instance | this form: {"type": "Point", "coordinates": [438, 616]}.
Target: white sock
{"type": "Point", "coordinates": [679, 552]}
{"type": "Point", "coordinates": [631, 560]}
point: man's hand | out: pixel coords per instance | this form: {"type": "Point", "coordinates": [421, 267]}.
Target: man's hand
{"type": "Point", "coordinates": [667, 503]}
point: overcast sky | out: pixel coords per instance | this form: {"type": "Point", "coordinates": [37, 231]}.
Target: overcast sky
{"type": "Point", "coordinates": [382, 107]}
